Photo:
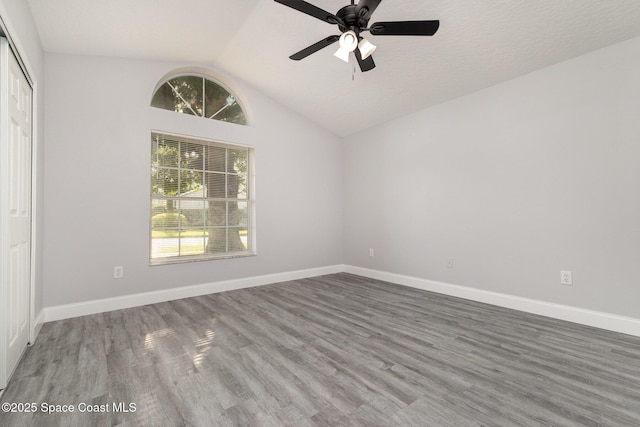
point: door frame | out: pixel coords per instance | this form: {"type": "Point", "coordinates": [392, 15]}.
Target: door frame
{"type": "Point", "coordinates": [7, 30]}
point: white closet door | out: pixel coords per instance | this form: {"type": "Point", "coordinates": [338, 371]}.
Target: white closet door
{"type": "Point", "coordinates": [15, 215]}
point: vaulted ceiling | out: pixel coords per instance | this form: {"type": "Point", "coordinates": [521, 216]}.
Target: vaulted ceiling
{"type": "Point", "coordinates": [479, 44]}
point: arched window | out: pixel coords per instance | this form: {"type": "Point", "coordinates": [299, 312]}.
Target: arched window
{"type": "Point", "coordinates": [202, 202]}
{"type": "Point", "coordinates": [199, 96]}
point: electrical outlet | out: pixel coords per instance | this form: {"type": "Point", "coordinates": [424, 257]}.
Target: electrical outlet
{"type": "Point", "coordinates": [371, 252]}
{"type": "Point", "coordinates": [118, 272]}
{"type": "Point", "coordinates": [566, 278]}
{"type": "Point", "coordinates": [450, 263]}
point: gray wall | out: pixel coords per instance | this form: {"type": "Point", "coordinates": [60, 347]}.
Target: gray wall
{"type": "Point", "coordinates": [17, 16]}
{"type": "Point", "coordinates": [514, 183]}
{"type": "Point", "coordinates": [98, 123]}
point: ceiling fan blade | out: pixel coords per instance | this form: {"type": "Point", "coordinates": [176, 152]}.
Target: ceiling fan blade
{"type": "Point", "coordinates": [309, 9]}
{"type": "Point", "coordinates": [314, 48]}
{"type": "Point", "coordinates": [365, 64]}
{"type": "Point", "coordinates": [366, 7]}
{"type": "Point", "coordinates": [405, 28]}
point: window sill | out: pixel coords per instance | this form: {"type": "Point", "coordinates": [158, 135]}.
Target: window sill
{"type": "Point", "coordinates": [198, 258]}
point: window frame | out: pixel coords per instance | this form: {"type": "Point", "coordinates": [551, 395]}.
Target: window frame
{"type": "Point", "coordinates": [250, 200]}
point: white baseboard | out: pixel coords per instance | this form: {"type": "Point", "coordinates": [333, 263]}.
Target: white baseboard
{"type": "Point", "coordinates": [135, 300]}
{"type": "Point", "coordinates": [35, 328]}
{"type": "Point", "coordinates": [612, 322]}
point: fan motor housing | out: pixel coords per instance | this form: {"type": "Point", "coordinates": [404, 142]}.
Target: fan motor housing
{"type": "Point", "coordinates": [351, 19]}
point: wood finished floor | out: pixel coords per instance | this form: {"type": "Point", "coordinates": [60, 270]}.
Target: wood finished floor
{"type": "Point", "coordinates": [335, 350]}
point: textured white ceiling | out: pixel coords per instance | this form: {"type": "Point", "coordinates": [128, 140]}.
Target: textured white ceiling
{"type": "Point", "coordinates": [479, 44]}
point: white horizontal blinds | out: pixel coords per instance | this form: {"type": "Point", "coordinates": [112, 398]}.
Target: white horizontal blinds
{"type": "Point", "coordinates": [199, 203]}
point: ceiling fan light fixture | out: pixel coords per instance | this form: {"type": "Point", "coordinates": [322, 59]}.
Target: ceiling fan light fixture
{"type": "Point", "coordinates": [342, 54]}
{"type": "Point", "coordinates": [366, 48]}
{"type": "Point", "coordinates": [348, 41]}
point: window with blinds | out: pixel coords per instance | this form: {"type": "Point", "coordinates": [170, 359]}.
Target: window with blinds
{"type": "Point", "coordinates": [201, 204]}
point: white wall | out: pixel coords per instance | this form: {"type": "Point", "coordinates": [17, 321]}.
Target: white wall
{"type": "Point", "coordinates": [21, 27]}
{"type": "Point", "coordinates": [514, 183]}
{"type": "Point", "coordinates": [98, 123]}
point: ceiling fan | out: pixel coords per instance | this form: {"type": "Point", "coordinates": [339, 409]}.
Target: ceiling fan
{"type": "Point", "coordinates": [352, 20]}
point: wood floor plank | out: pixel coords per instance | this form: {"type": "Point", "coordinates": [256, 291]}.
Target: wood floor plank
{"type": "Point", "coordinates": [335, 350]}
